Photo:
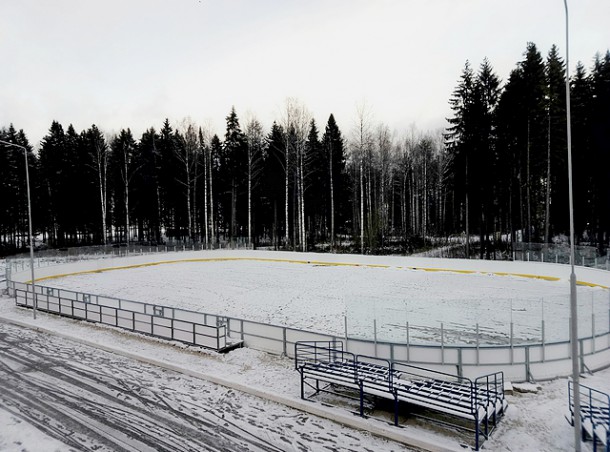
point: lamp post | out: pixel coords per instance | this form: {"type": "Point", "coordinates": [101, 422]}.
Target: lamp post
{"type": "Point", "coordinates": [27, 180]}
{"type": "Point", "coordinates": [573, 302]}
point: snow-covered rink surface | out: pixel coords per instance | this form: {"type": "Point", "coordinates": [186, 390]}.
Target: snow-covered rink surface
{"type": "Point", "coordinates": [392, 302]}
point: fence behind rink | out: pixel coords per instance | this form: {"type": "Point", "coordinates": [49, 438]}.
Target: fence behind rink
{"type": "Point", "coordinates": [519, 361]}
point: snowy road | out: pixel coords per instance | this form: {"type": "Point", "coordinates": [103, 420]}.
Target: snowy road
{"type": "Point", "coordinates": [92, 400]}
{"type": "Point", "coordinates": [99, 402]}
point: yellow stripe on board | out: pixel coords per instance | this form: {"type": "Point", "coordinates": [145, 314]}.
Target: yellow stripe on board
{"type": "Point", "coordinates": [321, 263]}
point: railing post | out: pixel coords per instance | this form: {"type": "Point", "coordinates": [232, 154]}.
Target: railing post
{"type": "Point", "coordinates": [512, 351]}
{"type": "Point", "coordinates": [442, 344]}
{"type": "Point", "coordinates": [543, 341]}
{"type": "Point", "coordinates": [284, 341]}
{"type": "Point", "coordinates": [477, 344]}
{"type": "Point", "coordinates": [375, 335]}
{"type": "Point", "coordinates": [408, 345]}
{"type": "Point", "coordinates": [528, 372]}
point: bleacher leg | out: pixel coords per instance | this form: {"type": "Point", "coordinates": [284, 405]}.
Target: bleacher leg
{"type": "Point", "coordinates": [302, 385]}
{"type": "Point", "coordinates": [361, 384]}
{"type": "Point", "coordinates": [476, 430]}
{"type": "Point", "coordinates": [395, 408]}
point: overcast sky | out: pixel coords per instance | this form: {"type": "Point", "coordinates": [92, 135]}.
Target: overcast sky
{"type": "Point", "coordinates": [132, 63]}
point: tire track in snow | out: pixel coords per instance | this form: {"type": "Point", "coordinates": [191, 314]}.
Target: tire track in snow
{"type": "Point", "coordinates": [106, 410]}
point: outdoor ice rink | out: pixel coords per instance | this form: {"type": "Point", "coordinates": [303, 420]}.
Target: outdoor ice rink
{"type": "Point", "coordinates": [394, 302]}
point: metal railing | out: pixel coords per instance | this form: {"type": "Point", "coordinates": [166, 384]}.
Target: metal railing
{"type": "Point", "coordinates": [159, 321]}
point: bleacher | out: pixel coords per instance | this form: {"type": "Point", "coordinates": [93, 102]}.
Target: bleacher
{"type": "Point", "coordinates": [480, 403]}
{"type": "Point", "coordinates": [594, 415]}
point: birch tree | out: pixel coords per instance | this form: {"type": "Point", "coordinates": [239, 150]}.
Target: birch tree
{"type": "Point", "coordinates": [255, 139]}
{"type": "Point", "coordinates": [361, 145]}
{"type": "Point", "coordinates": [187, 155]}
{"type": "Point", "coordinates": [123, 147]}
{"type": "Point", "coordinates": [99, 153]}
{"type": "Point", "coordinates": [296, 127]}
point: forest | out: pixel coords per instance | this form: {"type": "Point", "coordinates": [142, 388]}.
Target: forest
{"type": "Point", "coordinates": [496, 176]}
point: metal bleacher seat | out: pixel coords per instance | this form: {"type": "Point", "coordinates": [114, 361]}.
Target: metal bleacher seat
{"type": "Point", "coordinates": [480, 401]}
{"type": "Point", "coordinates": [594, 414]}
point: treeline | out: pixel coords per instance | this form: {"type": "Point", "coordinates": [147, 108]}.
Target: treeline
{"type": "Point", "coordinates": [498, 172]}
{"type": "Point", "coordinates": [506, 147]}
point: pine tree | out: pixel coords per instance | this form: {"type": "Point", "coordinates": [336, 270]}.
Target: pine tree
{"type": "Point", "coordinates": [145, 189]}
{"type": "Point", "coordinates": [333, 147]}
{"type": "Point", "coordinates": [168, 176]}
{"type": "Point", "coordinates": [51, 152]}
{"type": "Point", "coordinates": [556, 169]}
{"type": "Point", "coordinates": [273, 179]}
{"type": "Point", "coordinates": [255, 143]}
{"type": "Point", "coordinates": [459, 141]}
{"type": "Point", "coordinates": [96, 155]}
{"type": "Point", "coordinates": [583, 178]}
{"type": "Point", "coordinates": [123, 167]}
{"type": "Point", "coordinates": [234, 161]}
{"type": "Point", "coordinates": [600, 133]}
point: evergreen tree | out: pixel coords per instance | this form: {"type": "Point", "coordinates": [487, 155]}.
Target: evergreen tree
{"type": "Point", "coordinates": [145, 189]}
{"type": "Point", "coordinates": [123, 168]}
{"type": "Point", "coordinates": [316, 186]}
{"type": "Point", "coordinates": [97, 156]}
{"type": "Point", "coordinates": [234, 168]}
{"type": "Point", "coordinates": [600, 134]}
{"type": "Point", "coordinates": [217, 187]}
{"type": "Point", "coordinates": [556, 189]}
{"type": "Point", "coordinates": [272, 189]}
{"type": "Point", "coordinates": [51, 161]}
{"type": "Point", "coordinates": [333, 148]}
{"type": "Point", "coordinates": [484, 163]}
{"type": "Point", "coordinates": [583, 178]}
{"type": "Point", "coordinates": [459, 141]}
{"type": "Point", "coordinates": [167, 171]}
{"type": "Point", "coordinates": [14, 221]}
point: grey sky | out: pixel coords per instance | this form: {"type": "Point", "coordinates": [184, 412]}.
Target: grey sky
{"type": "Point", "coordinates": [132, 63]}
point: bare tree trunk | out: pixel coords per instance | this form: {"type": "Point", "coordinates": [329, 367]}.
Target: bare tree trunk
{"type": "Point", "coordinates": [102, 166]}
{"type": "Point", "coordinates": [205, 197]}
{"type": "Point", "coordinates": [361, 207]}
{"type": "Point", "coordinates": [467, 214]}
{"type": "Point", "coordinates": [527, 187]}
{"type": "Point", "coordinates": [302, 193]}
{"type": "Point", "coordinates": [233, 209]}
{"type": "Point", "coordinates": [332, 198]}
{"type": "Point", "coordinates": [287, 182]}
{"type": "Point", "coordinates": [547, 212]}
{"type": "Point", "coordinates": [126, 200]}
{"type": "Point", "coordinates": [195, 229]}
{"type": "Point", "coordinates": [249, 196]}
{"type": "Point", "coordinates": [188, 192]}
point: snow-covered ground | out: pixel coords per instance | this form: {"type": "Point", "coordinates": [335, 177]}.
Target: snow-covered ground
{"type": "Point", "coordinates": [533, 422]}
{"type": "Point", "coordinates": [317, 298]}
{"type": "Point", "coordinates": [279, 292]}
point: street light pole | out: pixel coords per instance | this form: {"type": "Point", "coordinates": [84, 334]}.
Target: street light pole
{"type": "Point", "coordinates": [27, 181]}
{"type": "Point", "coordinates": [573, 300]}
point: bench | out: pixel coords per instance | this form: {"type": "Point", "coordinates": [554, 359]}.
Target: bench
{"type": "Point", "coordinates": [480, 402]}
{"type": "Point", "coordinates": [594, 414]}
